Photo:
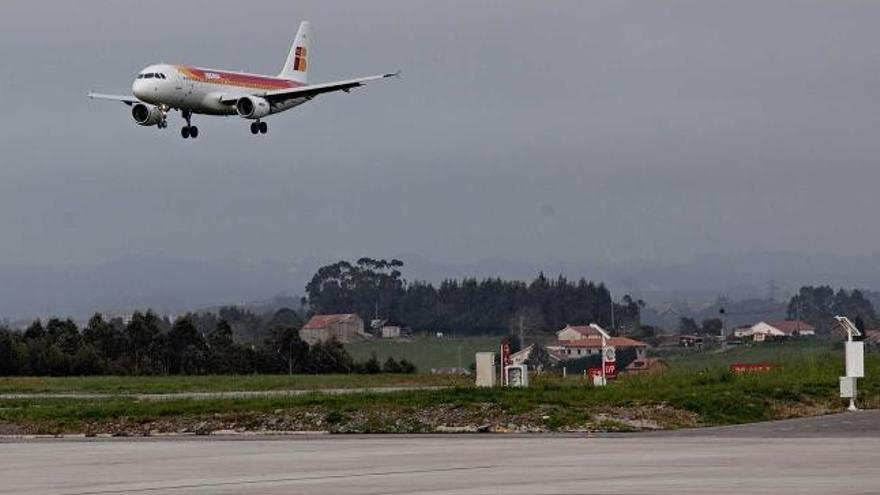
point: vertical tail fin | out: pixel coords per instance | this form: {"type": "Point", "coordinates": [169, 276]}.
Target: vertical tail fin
{"type": "Point", "coordinates": [297, 66]}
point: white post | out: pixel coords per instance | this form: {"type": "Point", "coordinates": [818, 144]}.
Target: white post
{"type": "Point", "coordinates": [852, 400]}
{"type": "Point", "coordinates": [605, 338]}
{"type": "Point", "coordinates": [854, 359]}
{"type": "Point", "coordinates": [604, 344]}
{"type": "Point", "coordinates": [503, 381]}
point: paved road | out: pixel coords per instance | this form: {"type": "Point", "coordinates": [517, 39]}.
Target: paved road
{"type": "Point", "coordinates": [233, 394]}
{"type": "Point", "coordinates": [856, 425]}
{"type": "Point", "coordinates": [737, 461]}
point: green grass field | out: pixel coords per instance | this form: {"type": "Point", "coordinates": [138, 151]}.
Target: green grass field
{"type": "Point", "coordinates": [714, 397]}
{"type": "Point", "coordinates": [212, 383]}
{"type": "Point", "coordinates": [768, 352]}
{"type": "Point", "coordinates": [698, 389]}
{"type": "Point", "coordinates": [426, 352]}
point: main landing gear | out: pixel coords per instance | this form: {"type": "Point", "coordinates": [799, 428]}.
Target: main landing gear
{"type": "Point", "coordinates": [259, 128]}
{"type": "Point", "coordinates": [189, 130]}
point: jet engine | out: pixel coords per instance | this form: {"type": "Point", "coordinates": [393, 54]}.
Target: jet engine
{"type": "Point", "coordinates": [252, 107]}
{"type": "Point", "coordinates": [146, 115]}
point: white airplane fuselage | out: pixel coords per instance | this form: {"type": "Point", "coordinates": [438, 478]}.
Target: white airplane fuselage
{"type": "Point", "coordinates": [199, 90]}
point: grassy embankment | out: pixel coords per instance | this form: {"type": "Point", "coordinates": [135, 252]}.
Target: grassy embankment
{"type": "Point", "coordinates": [213, 383]}
{"type": "Point", "coordinates": [426, 352]}
{"type": "Point", "coordinates": [697, 391]}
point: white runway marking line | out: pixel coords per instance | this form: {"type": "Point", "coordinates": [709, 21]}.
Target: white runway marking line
{"type": "Point", "coordinates": [282, 480]}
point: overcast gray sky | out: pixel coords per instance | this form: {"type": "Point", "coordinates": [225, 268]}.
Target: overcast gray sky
{"type": "Point", "coordinates": [535, 131]}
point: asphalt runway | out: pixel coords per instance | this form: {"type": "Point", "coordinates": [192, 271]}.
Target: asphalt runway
{"type": "Point", "coordinates": [837, 454]}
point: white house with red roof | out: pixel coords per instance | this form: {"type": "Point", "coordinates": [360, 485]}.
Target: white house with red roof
{"type": "Point", "coordinates": [578, 332]}
{"type": "Point", "coordinates": [775, 329]}
{"type": "Point", "coordinates": [345, 328]}
{"type": "Point", "coordinates": [577, 341]}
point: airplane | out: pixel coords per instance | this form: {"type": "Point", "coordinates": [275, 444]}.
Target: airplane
{"type": "Point", "coordinates": [160, 88]}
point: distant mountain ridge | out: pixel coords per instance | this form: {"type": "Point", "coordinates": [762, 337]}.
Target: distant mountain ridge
{"type": "Point", "coordinates": [164, 284]}
{"type": "Point", "coordinates": [177, 285]}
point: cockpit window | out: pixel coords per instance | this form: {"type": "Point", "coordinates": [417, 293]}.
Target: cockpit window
{"type": "Point", "coordinates": [149, 76]}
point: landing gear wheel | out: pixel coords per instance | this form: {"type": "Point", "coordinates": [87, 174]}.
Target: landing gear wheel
{"type": "Point", "coordinates": [264, 128]}
{"type": "Point", "coordinates": [255, 128]}
{"type": "Point", "coordinates": [189, 130]}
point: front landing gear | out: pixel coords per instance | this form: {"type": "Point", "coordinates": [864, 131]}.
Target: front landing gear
{"type": "Point", "coordinates": [163, 124]}
{"type": "Point", "coordinates": [259, 128]}
{"type": "Point", "coordinates": [189, 130]}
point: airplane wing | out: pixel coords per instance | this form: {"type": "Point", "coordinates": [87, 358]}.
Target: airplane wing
{"type": "Point", "coordinates": [128, 100]}
{"type": "Point", "coordinates": [312, 90]}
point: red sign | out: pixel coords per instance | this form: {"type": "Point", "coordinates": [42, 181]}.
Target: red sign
{"type": "Point", "coordinates": [505, 355]}
{"type": "Point", "coordinates": [610, 369]}
{"type": "Point", "coordinates": [505, 361]}
{"type": "Point", "coordinates": [752, 367]}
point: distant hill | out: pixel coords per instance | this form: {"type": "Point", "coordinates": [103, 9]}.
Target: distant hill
{"type": "Point", "coordinates": [174, 285]}
{"type": "Point", "coordinates": [166, 285]}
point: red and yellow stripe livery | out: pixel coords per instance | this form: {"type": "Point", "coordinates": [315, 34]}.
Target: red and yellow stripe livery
{"type": "Point", "coordinates": [238, 79]}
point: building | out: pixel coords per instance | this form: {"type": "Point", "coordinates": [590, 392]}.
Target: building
{"type": "Point", "coordinates": [742, 331]}
{"type": "Point", "coordinates": [391, 332]}
{"type": "Point", "coordinates": [536, 357]}
{"type": "Point", "coordinates": [578, 332]}
{"type": "Point", "coordinates": [575, 342]}
{"type": "Point", "coordinates": [575, 349]}
{"type": "Point", "coordinates": [522, 355]}
{"type": "Point", "coordinates": [646, 366]}
{"type": "Point", "coordinates": [776, 329]}
{"type": "Point", "coordinates": [345, 328]}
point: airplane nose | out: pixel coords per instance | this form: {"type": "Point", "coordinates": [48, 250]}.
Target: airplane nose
{"type": "Point", "coordinates": [137, 88]}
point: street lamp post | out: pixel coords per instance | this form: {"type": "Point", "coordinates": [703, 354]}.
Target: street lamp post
{"type": "Point", "coordinates": [605, 338]}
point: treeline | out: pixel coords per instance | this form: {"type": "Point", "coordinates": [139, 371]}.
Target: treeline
{"type": "Point", "coordinates": [376, 288]}
{"type": "Point", "coordinates": [150, 345]}
{"type": "Point", "coordinates": [818, 305]}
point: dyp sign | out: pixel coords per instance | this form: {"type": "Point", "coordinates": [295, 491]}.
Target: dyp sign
{"type": "Point", "coordinates": [609, 361]}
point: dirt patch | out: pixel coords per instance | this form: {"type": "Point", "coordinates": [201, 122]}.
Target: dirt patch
{"type": "Point", "coordinates": [646, 417]}
{"type": "Point", "coordinates": [10, 429]}
{"type": "Point", "coordinates": [486, 417]}
{"type": "Point", "coordinates": [789, 410]}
